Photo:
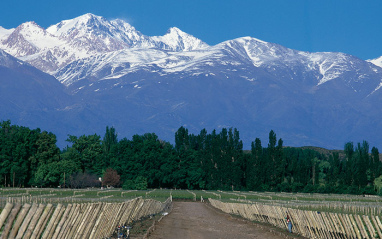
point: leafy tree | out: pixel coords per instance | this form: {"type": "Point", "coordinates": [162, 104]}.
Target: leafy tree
{"type": "Point", "coordinates": [378, 184]}
{"type": "Point", "coordinates": [375, 163]}
{"type": "Point", "coordinates": [213, 160]}
{"type": "Point", "coordinates": [55, 173]}
{"type": "Point", "coordinates": [22, 151]}
{"type": "Point", "coordinates": [111, 178]}
{"type": "Point", "coordinates": [109, 140]}
{"type": "Point", "coordinates": [89, 149]}
{"type": "Point", "coordinates": [128, 185]}
{"type": "Point", "coordinates": [274, 165]}
{"type": "Point", "coordinates": [139, 183]}
{"type": "Point", "coordinates": [109, 146]}
{"type": "Point", "coordinates": [255, 167]}
{"type": "Point", "coordinates": [361, 164]}
{"type": "Point", "coordinates": [182, 141]}
{"type": "Point", "coordinates": [350, 164]}
{"type": "Point", "coordinates": [47, 150]}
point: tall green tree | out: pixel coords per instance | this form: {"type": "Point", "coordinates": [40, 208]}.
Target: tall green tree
{"type": "Point", "coordinates": [109, 140]}
{"type": "Point", "coordinates": [255, 168]}
{"type": "Point", "coordinates": [90, 151]}
{"type": "Point", "coordinates": [350, 164]}
{"type": "Point", "coordinates": [375, 163]}
{"type": "Point", "coordinates": [109, 147]}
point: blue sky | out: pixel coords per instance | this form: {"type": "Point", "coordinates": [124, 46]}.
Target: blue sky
{"type": "Point", "coordinates": [353, 27]}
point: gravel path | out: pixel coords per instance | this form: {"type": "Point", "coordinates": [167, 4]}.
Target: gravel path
{"type": "Point", "coordinates": [193, 220]}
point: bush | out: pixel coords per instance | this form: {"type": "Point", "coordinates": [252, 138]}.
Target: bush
{"type": "Point", "coordinates": [139, 183]}
{"type": "Point", "coordinates": [264, 188]}
{"type": "Point", "coordinates": [285, 187]}
{"type": "Point", "coordinates": [128, 185]}
{"type": "Point", "coordinates": [369, 190]}
{"type": "Point", "coordinates": [325, 189]}
{"type": "Point", "coordinates": [310, 188]}
{"type": "Point", "coordinates": [353, 190]}
{"type": "Point", "coordinates": [297, 187]}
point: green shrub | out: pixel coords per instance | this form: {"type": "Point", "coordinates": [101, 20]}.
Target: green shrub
{"type": "Point", "coordinates": [139, 183]}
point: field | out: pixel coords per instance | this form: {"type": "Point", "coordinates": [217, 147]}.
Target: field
{"type": "Point", "coordinates": [358, 204]}
{"type": "Point", "coordinates": [313, 215]}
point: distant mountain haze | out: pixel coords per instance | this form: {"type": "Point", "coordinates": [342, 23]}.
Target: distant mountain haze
{"type": "Point", "coordinates": [83, 74]}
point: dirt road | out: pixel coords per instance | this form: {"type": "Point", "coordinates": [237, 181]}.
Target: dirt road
{"type": "Point", "coordinates": [193, 220]}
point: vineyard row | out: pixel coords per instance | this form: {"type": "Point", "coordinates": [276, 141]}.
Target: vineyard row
{"type": "Point", "coordinates": [87, 220]}
{"type": "Point", "coordinates": [310, 224]}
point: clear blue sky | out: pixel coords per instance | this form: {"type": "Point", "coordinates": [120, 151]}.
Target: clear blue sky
{"type": "Point", "coordinates": [353, 27]}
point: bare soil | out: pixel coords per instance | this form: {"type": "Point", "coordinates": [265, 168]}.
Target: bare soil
{"type": "Point", "coordinates": [195, 220]}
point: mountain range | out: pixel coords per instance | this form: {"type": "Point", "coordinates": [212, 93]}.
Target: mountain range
{"type": "Point", "coordinates": [81, 75]}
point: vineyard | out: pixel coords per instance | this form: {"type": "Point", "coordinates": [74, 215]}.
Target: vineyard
{"type": "Point", "coordinates": [312, 215]}
{"type": "Point", "coordinates": [41, 214]}
{"type": "Point", "coordinates": [94, 213]}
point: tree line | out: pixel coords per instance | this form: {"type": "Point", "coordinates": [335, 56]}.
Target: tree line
{"type": "Point", "coordinates": [211, 161]}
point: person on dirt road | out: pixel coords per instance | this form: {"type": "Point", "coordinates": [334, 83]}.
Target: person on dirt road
{"type": "Point", "coordinates": [289, 223]}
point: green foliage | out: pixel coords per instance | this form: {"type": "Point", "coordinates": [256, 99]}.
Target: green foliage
{"type": "Point", "coordinates": [22, 152]}
{"type": "Point", "coordinates": [211, 161]}
{"type": "Point", "coordinates": [128, 185]}
{"type": "Point", "coordinates": [378, 184]}
{"type": "Point", "coordinates": [139, 183]}
{"type": "Point", "coordinates": [109, 140]}
{"type": "Point", "coordinates": [52, 174]}
{"type": "Point", "coordinates": [89, 150]}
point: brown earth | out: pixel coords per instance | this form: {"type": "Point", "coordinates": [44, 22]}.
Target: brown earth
{"type": "Point", "coordinates": [194, 220]}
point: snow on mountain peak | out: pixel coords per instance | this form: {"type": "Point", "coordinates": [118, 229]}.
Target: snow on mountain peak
{"type": "Point", "coordinates": [177, 40]}
{"type": "Point", "coordinates": [175, 30]}
{"type": "Point", "coordinates": [90, 35]}
{"type": "Point", "coordinates": [258, 51]}
{"type": "Point", "coordinates": [89, 16]}
{"type": "Point", "coordinates": [69, 40]}
{"type": "Point", "coordinates": [376, 61]}
{"type": "Point", "coordinates": [28, 38]}
{"type": "Point", "coordinates": [251, 39]}
{"type": "Point", "coordinates": [122, 25]}
{"type": "Point", "coordinates": [30, 30]}
{"type": "Point", "coordinates": [77, 26]}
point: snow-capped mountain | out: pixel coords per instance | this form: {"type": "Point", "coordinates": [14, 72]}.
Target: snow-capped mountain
{"type": "Point", "coordinates": [87, 35]}
{"type": "Point", "coordinates": [177, 40]}
{"type": "Point", "coordinates": [246, 58]}
{"type": "Point", "coordinates": [33, 44]}
{"type": "Point", "coordinates": [243, 82]}
{"type": "Point", "coordinates": [95, 34]}
{"type": "Point", "coordinates": [377, 61]}
{"type": "Point", "coordinates": [114, 75]}
{"type": "Point", "coordinates": [107, 64]}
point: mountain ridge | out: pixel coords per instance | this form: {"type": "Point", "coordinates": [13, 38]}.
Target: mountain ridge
{"type": "Point", "coordinates": [84, 36]}
{"type": "Point", "coordinates": [113, 75]}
